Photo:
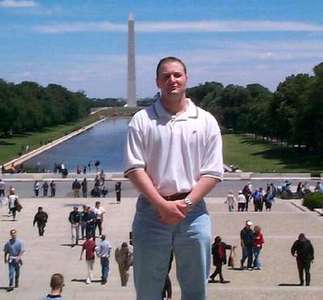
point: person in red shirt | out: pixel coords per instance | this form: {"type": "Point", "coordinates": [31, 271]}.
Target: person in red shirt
{"type": "Point", "coordinates": [89, 248]}
{"type": "Point", "coordinates": [258, 242]}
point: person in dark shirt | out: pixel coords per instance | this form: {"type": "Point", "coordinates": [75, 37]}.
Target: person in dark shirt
{"type": "Point", "coordinates": [303, 250]}
{"type": "Point", "coordinates": [40, 218]}
{"type": "Point", "coordinates": [246, 239]}
{"type": "Point", "coordinates": [74, 218]}
{"type": "Point", "coordinates": [219, 258]}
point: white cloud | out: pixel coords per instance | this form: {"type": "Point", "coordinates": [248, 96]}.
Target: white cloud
{"type": "Point", "coordinates": [17, 4]}
{"type": "Point", "coordinates": [197, 26]}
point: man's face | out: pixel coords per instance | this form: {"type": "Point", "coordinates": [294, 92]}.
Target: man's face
{"type": "Point", "coordinates": [171, 79]}
{"type": "Point", "coordinates": [13, 234]}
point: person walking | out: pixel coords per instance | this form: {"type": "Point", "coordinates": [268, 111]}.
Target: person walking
{"type": "Point", "coordinates": [241, 201]}
{"type": "Point", "coordinates": [2, 191]}
{"type": "Point", "coordinates": [56, 285]}
{"type": "Point", "coordinates": [36, 188]}
{"type": "Point", "coordinates": [219, 258]}
{"type": "Point", "coordinates": [258, 242]}
{"type": "Point", "coordinates": [90, 221]}
{"type": "Point", "coordinates": [124, 258]}
{"type": "Point", "coordinates": [174, 159]}
{"type": "Point", "coordinates": [117, 188]}
{"type": "Point", "coordinates": [303, 250]}
{"type": "Point", "coordinates": [13, 203]}
{"type": "Point", "coordinates": [45, 188]}
{"type": "Point", "coordinates": [52, 186]}
{"type": "Point", "coordinates": [13, 251]}
{"type": "Point", "coordinates": [74, 219]}
{"type": "Point", "coordinates": [99, 213]}
{"type": "Point", "coordinates": [76, 186]}
{"type": "Point", "coordinates": [103, 251]}
{"type": "Point", "coordinates": [84, 188]}
{"type": "Point", "coordinates": [246, 240]}
{"type": "Point", "coordinates": [41, 218]}
{"type": "Point", "coordinates": [89, 248]}
{"type": "Point", "coordinates": [230, 201]}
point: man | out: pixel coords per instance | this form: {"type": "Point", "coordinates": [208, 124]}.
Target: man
{"type": "Point", "coordinates": [45, 188]}
{"type": "Point", "coordinates": [56, 284]}
{"type": "Point", "coordinates": [303, 250]}
{"type": "Point", "coordinates": [246, 241]}
{"type": "Point", "coordinates": [13, 250]}
{"type": "Point", "coordinates": [52, 186]}
{"type": "Point", "coordinates": [117, 188]}
{"type": "Point", "coordinates": [174, 158]}
{"type": "Point", "coordinates": [89, 248]}
{"type": "Point", "coordinates": [84, 188]}
{"type": "Point", "coordinates": [40, 218]}
{"type": "Point", "coordinates": [2, 188]}
{"type": "Point", "coordinates": [13, 203]}
{"type": "Point", "coordinates": [103, 251]}
{"type": "Point", "coordinates": [90, 221]}
{"type": "Point", "coordinates": [99, 212]}
{"type": "Point", "coordinates": [36, 188]}
{"type": "Point", "coordinates": [74, 219]}
{"type": "Point", "coordinates": [76, 186]}
{"type": "Point", "coordinates": [124, 258]}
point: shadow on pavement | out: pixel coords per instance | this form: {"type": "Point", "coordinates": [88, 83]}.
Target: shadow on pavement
{"type": "Point", "coordinates": [288, 284]}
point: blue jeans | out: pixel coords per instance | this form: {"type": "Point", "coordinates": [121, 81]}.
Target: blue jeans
{"type": "Point", "coordinates": [256, 253]}
{"type": "Point", "coordinates": [104, 268]}
{"type": "Point", "coordinates": [14, 271]}
{"type": "Point", "coordinates": [153, 243]}
{"type": "Point", "coordinates": [247, 253]}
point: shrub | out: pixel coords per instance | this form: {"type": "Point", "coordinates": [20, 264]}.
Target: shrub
{"type": "Point", "coordinates": [313, 200]}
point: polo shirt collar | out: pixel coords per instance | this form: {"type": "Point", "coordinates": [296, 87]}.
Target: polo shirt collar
{"type": "Point", "coordinates": [161, 112]}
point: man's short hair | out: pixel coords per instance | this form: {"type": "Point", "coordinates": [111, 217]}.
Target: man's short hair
{"type": "Point", "coordinates": [57, 281]}
{"type": "Point", "coordinates": [12, 231]}
{"type": "Point", "coordinates": [169, 59]}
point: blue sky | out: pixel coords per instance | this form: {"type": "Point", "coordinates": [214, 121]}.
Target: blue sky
{"type": "Point", "coordinates": [83, 44]}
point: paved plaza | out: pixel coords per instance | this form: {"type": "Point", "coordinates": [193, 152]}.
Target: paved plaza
{"type": "Point", "coordinates": [52, 253]}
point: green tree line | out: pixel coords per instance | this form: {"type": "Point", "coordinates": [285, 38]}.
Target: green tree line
{"type": "Point", "coordinates": [27, 106]}
{"type": "Point", "coordinates": [292, 115]}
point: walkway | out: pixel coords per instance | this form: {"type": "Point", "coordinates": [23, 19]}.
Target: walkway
{"type": "Point", "coordinates": [52, 253]}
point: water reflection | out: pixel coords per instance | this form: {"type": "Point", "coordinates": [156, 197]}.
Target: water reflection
{"type": "Point", "coordinates": [104, 142]}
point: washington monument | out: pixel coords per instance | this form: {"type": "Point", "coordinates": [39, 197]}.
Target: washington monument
{"type": "Point", "coordinates": [131, 101]}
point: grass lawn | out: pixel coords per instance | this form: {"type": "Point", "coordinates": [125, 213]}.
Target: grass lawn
{"type": "Point", "coordinates": [11, 147]}
{"type": "Point", "coordinates": [261, 156]}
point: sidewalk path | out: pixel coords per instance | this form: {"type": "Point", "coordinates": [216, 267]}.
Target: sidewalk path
{"type": "Point", "coordinates": [52, 253]}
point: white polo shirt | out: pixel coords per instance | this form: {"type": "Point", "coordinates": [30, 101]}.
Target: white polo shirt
{"type": "Point", "coordinates": [175, 151]}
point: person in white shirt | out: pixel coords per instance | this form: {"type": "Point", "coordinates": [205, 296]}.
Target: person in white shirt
{"type": "Point", "coordinates": [241, 201]}
{"type": "Point", "coordinates": [174, 158]}
{"type": "Point", "coordinates": [99, 212]}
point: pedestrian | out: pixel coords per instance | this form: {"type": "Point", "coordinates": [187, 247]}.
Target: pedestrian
{"type": "Point", "coordinates": [40, 218]}
{"type": "Point", "coordinates": [13, 203]}
{"type": "Point", "coordinates": [2, 188]}
{"type": "Point", "coordinates": [36, 188]}
{"type": "Point", "coordinates": [90, 220]}
{"type": "Point", "coordinates": [219, 258]}
{"type": "Point", "coordinates": [247, 191]}
{"type": "Point", "coordinates": [258, 242]}
{"type": "Point", "coordinates": [174, 158]}
{"type": "Point", "coordinates": [303, 250]}
{"type": "Point", "coordinates": [246, 241]}
{"type": "Point", "coordinates": [13, 251]}
{"type": "Point", "coordinates": [89, 248]}
{"type": "Point", "coordinates": [84, 188]}
{"type": "Point", "coordinates": [241, 201]}
{"type": "Point", "coordinates": [74, 219]}
{"type": "Point", "coordinates": [52, 186]}
{"type": "Point", "coordinates": [257, 199]}
{"type": "Point", "coordinates": [103, 250]}
{"type": "Point", "coordinates": [124, 258]}
{"type": "Point", "coordinates": [230, 201]}
{"type": "Point", "coordinates": [56, 285]}
{"type": "Point", "coordinates": [118, 191]}
{"type": "Point", "coordinates": [99, 213]}
{"type": "Point", "coordinates": [82, 220]}
{"type": "Point", "coordinates": [45, 188]}
{"type": "Point", "coordinates": [76, 186]}
{"type": "Point", "coordinates": [104, 191]}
